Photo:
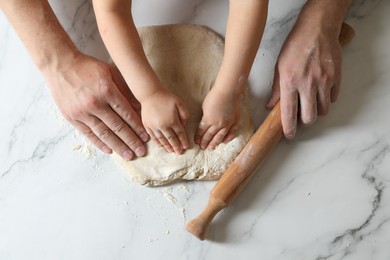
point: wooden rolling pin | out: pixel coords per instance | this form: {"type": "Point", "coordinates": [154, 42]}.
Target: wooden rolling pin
{"type": "Point", "coordinates": [243, 167]}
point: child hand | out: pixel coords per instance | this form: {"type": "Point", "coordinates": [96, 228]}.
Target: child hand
{"type": "Point", "coordinates": [164, 116]}
{"type": "Point", "coordinates": [220, 122]}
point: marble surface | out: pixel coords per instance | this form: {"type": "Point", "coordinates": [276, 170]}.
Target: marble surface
{"type": "Point", "coordinates": [325, 195]}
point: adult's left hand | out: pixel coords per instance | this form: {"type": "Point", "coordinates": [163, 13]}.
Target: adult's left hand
{"type": "Point", "coordinates": [307, 75]}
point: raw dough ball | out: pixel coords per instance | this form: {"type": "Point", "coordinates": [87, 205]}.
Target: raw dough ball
{"type": "Point", "coordinates": [186, 59]}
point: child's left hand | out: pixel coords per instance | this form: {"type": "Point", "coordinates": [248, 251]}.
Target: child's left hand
{"type": "Point", "coordinates": [220, 121]}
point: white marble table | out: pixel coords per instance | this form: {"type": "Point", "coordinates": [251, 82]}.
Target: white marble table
{"type": "Point", "coordinates": [325, 195]}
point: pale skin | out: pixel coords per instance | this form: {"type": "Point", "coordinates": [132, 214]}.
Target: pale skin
{"type": "Point", "coordinates": [308, 71]}
{"type": "Point", "coordinates": [94, 97]}
{"type": "Point", "coordinates": [91, 95]}
{"type": "Point", "coordinates": [163, 114]}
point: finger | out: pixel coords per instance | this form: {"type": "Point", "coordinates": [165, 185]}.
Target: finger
{"type": "Point", "coordinates": [323, 101]}
{"type": "Point", "coordinates": [170, 135]}
{"type": "Point", "coordinates": [207, 137]}
{"type": "Point", "coordinates": [181, 134]}
{"type": "Point", "coordinates": [308, 106]}
{"type": "Point", "coordinates": [289, 111]}
{"type": "Point", "coordinates": [123, 131]}
{"type": "Point", "coordinates": [275, 90]}
{"type": "Point", "coordinates": [126, 112]}
{"type": "Point", "coordinates": [161, 138]}
{"type": "Point", "coordinates": [88, 133]}
{"type": "Point", "coordinates": [107, 136]}
{"type": "Point", "coordinates": [154, 138]}
{"type": "Point", "coordinates": [202, 128]}
{"type": "Point", "coordinates": [183, 113]}
{"type": "Point", "coordinates": [218, 138]}
{"type": "Point", "coordinates": [334, 92]}
{"type": "Point", "coordinates": [231, 134]}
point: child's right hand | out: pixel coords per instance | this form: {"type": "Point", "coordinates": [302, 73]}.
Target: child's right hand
{"type": "Point", "coordinates": [164, 116]}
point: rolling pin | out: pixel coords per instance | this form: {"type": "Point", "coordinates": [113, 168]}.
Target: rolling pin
{"type": "Point", "coordinates": [243, 167]}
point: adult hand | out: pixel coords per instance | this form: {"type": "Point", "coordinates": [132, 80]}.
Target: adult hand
{"type": "Point", "coordinates": [94, 98]}
{"type": "Point", "coordinates": [307, 76]}
{"type": "Point", "coordinates": [165, 117]}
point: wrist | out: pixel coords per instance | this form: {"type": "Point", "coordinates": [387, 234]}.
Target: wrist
{"type": "Point", "coordinates": [230, 81]}
{"type": "Point", "coordinates": [57, 59]}
{"type": "Point", "coordinates": [325, 16]}
{"type": "Point", "coordinates": [226, 92]}
{"type": "Point", "coordinates": [147, 92]}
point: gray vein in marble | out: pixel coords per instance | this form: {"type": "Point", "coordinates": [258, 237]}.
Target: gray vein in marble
{"type": "Point", "coordinates": [194, 11]}
{"type": "Point", "coordinates": [40, 152]}
{"type": "Point", "coordinates": [248, 233]}
{"type": "Point", "coordinates": [360, 8]}
{"type": "Point", "coordinates": [280, 29]}
{"type": "Point", "coordinates": [22, 121]}
{"type": "Point", "coordinates": [84, 21]}
{"type": "Point", "coordinates": [358, 234]}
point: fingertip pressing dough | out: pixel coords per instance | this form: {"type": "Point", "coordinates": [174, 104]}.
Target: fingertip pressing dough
{"type": "Point", "coordinates": [186, 58]}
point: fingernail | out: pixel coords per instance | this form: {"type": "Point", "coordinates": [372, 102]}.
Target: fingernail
{"type": "Point", "coordinates": [197, 139]}
{"type": "Point", "coordinates": [140, 151]}
{"type": "Point", "coordinates": [106, 149]}
{"type": "Point", "coordinates": [290, 135]}
{"type": "Point", "coordinates": [128, 155]}
{"type": "Point", "coordinates": [211, 147]}
{"type": "Point", "coordinates": [144, 137]}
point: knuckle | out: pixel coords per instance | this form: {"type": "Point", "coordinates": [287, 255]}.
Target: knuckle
{"type": "Point", "coordinates": [310, 81]}
{"type": "Point", "coordinates": [221, 134]}
{"type": "Point", "coordinates": [104, 134]}
{"type": "Point", "coordinates": [180, 132]}
{"type": "Point", "coordinates": [326, 79]}
{"type": "Point", "coordinates": [88, 133]}
{"type": "Point", "coordinates": [106, 89]}
{"type": "Point", "coordinates": [129, 115]}
{"type": "Point", "coordinates": [76, 113]}
{"type": "Point", "coordinates": [92, 103]}
{"type": "Point", "coordinates": [133, 143]}
{"type": "Point", "coordinates": [287, 78]}
{"type": "Point", "coordinates": [70, 117]}
{"type": "Point", "coordinates": [102, 70]}
{"type": "Point", "coordinates": [162, 124]}
{"type": "Point", "coordinates": [119, 128]}
{"type": "Point", "coordinates": [186, 115]}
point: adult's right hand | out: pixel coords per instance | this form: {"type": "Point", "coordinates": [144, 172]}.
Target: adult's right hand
{"type": "Point", "coordinates": [94, 98]}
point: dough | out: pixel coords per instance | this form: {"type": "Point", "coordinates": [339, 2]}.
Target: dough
{"type": "Point", "coordinates": [186, 59]}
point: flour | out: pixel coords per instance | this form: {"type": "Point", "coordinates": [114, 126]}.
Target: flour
{"type": "Point", "coordinates": [186, 58]}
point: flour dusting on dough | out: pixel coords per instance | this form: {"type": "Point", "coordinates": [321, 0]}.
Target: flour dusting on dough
{"type": "Point", "coordinates": [186, 58]}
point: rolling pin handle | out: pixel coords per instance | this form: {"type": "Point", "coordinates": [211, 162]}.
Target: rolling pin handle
{"type": "Point", "coordinates": [243, 168]}
{"type": "Point", "coordinates": [199, 226]}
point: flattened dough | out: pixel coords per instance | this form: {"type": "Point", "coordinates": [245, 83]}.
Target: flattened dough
{"type": "Point", "coordinates": [186, 59]}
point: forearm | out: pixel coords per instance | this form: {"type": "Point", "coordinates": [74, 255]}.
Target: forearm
{"type": "Point", "coordinates": [244, 31]}
{"type": "Point", "coordinates": [121, 38]}
{"type": "Point", "coordinates": [40, 31]}
{"type": "Point", "coordinates": [326, 16]}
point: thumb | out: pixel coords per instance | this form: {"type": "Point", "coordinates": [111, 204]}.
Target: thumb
{"type": "Point", "coordinates": [123, 88]}
{"type": "Point", "coordinates": [183, 113]}
{"type": "Point", "coordinates": [275, 96]}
